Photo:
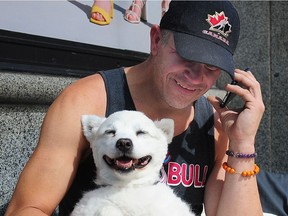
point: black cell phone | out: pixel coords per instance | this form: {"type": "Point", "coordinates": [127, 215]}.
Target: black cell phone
{"type": "Point", "coordinates": [229, 95]}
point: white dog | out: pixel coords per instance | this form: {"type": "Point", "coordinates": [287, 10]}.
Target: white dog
{"type": "Point", "coordinates": [129, 150]}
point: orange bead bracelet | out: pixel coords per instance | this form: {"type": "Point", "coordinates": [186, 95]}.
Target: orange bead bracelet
{"type": "Point", "coordinates": [244, 173]}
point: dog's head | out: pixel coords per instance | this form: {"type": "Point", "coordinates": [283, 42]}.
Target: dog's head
{"type": "Point", "coordinates": [128, 147]}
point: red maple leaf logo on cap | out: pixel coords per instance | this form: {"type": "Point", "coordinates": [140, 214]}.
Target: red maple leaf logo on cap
{"type": "Point", "coordinates": [219, 23]}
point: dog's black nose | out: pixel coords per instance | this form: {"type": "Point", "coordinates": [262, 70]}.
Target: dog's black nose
{"type": "Point", "coordinates": [124, 145]}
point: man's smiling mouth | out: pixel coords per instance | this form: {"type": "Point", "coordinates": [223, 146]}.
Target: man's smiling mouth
{"type": "Point", "coordinates": [185, 87]}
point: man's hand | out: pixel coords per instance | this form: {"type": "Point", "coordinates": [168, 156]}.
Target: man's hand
{"type": "Point", "coordinates": [241, 125]}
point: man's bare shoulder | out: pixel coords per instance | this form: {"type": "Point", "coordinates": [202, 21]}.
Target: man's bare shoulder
{"type": "Point", "coordinates": [62, 122]}
{"type": "Point", "coordinates": [87, 94]}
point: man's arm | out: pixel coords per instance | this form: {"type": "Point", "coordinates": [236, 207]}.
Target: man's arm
{"type": "Point", "coordinates": [215, 182]}
{"type": "Point", "coordinates": [233, 194]}
{"type": "Point", "coordinates": [51, 169]}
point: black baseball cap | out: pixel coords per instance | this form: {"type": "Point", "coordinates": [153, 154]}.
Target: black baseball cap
{"type": "Point", "coordinates": [204, 31]}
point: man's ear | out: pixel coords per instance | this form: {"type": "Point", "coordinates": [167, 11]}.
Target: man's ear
{"type": "Point", "coordinates": [167, 126]}
{"type": "Point", "coordinates": [155, 39]}
{"type": "Point", "coordinates": [91, 124]}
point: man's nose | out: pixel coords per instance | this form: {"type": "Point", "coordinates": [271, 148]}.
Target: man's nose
{"type": "Point", "coordinates": [196, 72]}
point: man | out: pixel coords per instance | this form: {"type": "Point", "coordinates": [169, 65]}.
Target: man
{"type": "Point", "coordinates": [194, 42]}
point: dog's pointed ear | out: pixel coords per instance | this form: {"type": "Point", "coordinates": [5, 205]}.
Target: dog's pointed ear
{"type": "Point", "coordinates": [91, 124]}
{"type": "Point", "coordinates": [167, 126]}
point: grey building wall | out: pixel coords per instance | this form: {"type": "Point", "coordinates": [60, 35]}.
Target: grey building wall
{"type": "Point", "coordinates": [254, 51]}
{"type": "Point", "coordinates": [263, 46]}
{"type": "Point", "coordinates": [24, 100]}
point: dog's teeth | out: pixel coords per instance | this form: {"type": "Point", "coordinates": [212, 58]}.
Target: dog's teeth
{"type": "Point", "coordinates": [124, 164]}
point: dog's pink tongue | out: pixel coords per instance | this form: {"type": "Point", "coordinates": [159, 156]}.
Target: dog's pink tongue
{"type": "Point", "coordinates": [126, 164]}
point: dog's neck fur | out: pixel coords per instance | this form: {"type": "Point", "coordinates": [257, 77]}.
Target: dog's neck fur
{"type": "Point", "coordinates": [132, 182]}
{"type": "Point", "coordinates": [107, 185]}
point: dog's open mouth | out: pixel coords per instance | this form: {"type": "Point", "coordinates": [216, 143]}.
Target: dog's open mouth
{"type": "Point", "coordinates": [127, 164]}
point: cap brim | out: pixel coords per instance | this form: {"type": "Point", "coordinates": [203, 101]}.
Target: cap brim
{"type": "Point", "coordinates": [204, 51]}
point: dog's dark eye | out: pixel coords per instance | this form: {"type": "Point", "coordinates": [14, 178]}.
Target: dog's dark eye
{"type": "Point", "coordinates": [140, 132]}
{"type": "Point", "coordinates": [110, 132]}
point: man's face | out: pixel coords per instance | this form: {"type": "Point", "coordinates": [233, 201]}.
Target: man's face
{"type": "Point", "coordinates": [182, 81]}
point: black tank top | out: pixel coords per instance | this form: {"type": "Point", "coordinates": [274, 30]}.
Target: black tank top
{"type": "Point", "coordinates": [189, 160]}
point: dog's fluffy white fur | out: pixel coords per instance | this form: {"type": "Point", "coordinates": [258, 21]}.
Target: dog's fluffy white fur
{"type": "Point", "coordinates": [129, 150]}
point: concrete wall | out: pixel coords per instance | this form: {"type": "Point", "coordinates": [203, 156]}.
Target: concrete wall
{"type": "Point", "coordinates": [263, 46]}
{"type": "Point", "coordinates": [254, 52]}
{"type": "Point", "coordinates": [24, 100]}
{"type": "Point", "coordinates": [278, 86]}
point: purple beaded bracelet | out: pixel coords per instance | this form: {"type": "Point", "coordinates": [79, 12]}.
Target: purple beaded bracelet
{"type": "Point", "coordinates": [240, 155]}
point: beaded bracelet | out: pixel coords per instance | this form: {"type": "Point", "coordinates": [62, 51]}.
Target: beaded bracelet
{"type": "Point", "coordinates": [240, 155]}
{"type": "Point", "coordinates": [244, 173]}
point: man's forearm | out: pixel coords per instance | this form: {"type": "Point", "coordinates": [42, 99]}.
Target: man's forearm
{"type": "Point", "coordinates": [27, 211]}
{"type": "Point", "coordinates": [240, 194]}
